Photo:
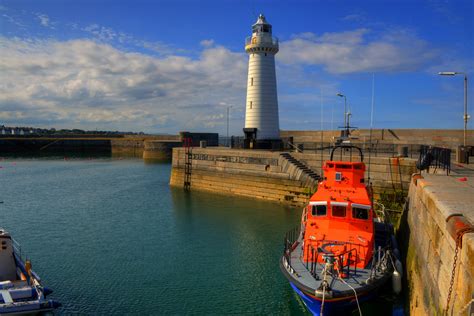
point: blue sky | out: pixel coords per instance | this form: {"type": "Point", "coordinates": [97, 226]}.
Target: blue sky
{"type": "Point", "coordinates": [167, 66]}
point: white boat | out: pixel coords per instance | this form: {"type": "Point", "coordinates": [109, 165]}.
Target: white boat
{"type": "Point", "coordinates": [21, 291]}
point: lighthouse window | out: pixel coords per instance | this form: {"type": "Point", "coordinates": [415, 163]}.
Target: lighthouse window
{"type": "Point", "coordinates": [338, 211]}
{"type": "Point", "coordinates": [250, 104]}
{"type": "Point", "coordinates": [251, 81]}
{"type": "Point", "coordinates": [319, 210]}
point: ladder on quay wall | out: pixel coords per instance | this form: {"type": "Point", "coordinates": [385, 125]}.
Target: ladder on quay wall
{"type": "Point", "coordinates": [188, 156]}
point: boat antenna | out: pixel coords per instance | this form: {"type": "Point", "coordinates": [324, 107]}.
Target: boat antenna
{"type": "Point", "coordinates": [321, 149]}
{"type": "Point", "coordinates": [371, 125]}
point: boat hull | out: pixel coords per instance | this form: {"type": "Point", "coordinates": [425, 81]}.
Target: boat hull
{"type": "Point", "coordinates": [331, 307]}
{"type": "Point", "coordinates": [340, 303]}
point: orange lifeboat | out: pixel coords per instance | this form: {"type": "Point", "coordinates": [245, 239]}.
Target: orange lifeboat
{"type": "Point", "coordinates": [342, 252]}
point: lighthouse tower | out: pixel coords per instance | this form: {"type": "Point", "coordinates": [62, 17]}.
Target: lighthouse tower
{"type": "Point", "coordinates": [261, 111]}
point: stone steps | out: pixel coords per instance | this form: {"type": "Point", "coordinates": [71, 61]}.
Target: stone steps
{"type": "Point", "coordinates": [300, 170]}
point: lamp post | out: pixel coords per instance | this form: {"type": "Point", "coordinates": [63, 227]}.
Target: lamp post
{"type": "Point", "coordinates": [228, 108]}
{"type": "Point", "coordinates": [345, 107]}
{"type": "Point", "coordinates": [466, 116]}
{"type": "Point", "coordinates": [332, 117]}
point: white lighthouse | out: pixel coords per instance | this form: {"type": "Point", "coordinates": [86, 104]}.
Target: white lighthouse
{"type": "Point", "coordinates": [261, 111]}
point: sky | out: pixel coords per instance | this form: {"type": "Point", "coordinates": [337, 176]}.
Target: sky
{"type": "Point", "coordinates": [170, 66]}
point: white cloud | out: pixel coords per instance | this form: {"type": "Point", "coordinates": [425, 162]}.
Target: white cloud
{"type": "Point", "coordinates": [101, 32]}
{"type": "Point", "coordinates": [358, 51]}
{"type": "Point", "coordinates": [86, 83]}
{"type": "Point", "coordinates": [207, 42]}
{"type": "Point", "coordinates": [355, 17]}
{"type": "Point", "coordinates": [12, 19]}
{"type": "Point", "coordinates": [44, 19]}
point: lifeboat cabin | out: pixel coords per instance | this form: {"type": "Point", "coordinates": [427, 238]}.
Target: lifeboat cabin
{"type": "Point", "coordinates": [339, 217]}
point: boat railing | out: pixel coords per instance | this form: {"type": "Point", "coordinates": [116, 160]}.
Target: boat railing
{"type": "Point", "coordinates": [345, 260]}
{"type": "Point", "coordinates": [290, 242]}
{"type": "Point", "coordinates": [346, 147]}
{"type": "Point", "coordinates": [17, 249]}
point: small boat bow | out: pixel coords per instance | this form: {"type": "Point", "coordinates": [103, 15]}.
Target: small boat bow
{"type": "Point", "coordinates": [21, 291]}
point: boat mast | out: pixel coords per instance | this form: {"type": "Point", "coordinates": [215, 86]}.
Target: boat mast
{"type": "Point", "coordinates": [371, 127]}
{"type": "Point", "coordinates": [321, 96]}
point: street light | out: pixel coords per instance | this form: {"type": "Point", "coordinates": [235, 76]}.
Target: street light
{"type": "Point", "coordinates": [345, 106]}
{"type": "Point", "coordinates": [228, 108]}
{"type": "Point", "coordinates": [466, 116]}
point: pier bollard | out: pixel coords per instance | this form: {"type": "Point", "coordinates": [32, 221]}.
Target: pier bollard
{"type": "Point", "coordinates": [461, 154]}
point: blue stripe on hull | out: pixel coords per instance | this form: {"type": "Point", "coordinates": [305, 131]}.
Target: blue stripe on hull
{"type": "Point", "coordinates": [330, 308]}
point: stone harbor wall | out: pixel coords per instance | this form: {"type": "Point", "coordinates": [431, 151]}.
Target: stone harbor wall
{"type": "Point", "coordinates": [439, 207]}
{"type": "Point", "coordinates": [269, 175]}
{"type": "Point", "coordinates": [159, 149]}
{"type": "Point", "coordinates": [450, 138]}
{"type": "Point", "coordinates": [252, 173]}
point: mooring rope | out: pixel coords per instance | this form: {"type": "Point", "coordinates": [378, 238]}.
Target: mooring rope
{"type": "Point", "coordinates": [355, 293]}
{"type": "Point", "coordinates": [466, 306]}
{"type": "Point", "coordinates": [322, 303]}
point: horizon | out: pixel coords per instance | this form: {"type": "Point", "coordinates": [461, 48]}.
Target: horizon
{"type": "Point", "coordinates": [154, 67]}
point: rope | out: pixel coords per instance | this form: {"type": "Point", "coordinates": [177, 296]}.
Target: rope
{"type": "Point", "coordinates": [355, 293]}
{"type": "Point", "coordinates": [466, 306]}
{"type": "Point", "coordinates": [322, 303]}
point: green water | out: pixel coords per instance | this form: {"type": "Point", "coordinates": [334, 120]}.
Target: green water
{"type": "Point", "coordinates": [110, 236]}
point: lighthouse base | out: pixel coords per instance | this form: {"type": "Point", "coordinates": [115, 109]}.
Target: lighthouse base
{"type": "Point", "coordinates": [251, 141]}
{"type": "Point", "coordinates": [270, 144]}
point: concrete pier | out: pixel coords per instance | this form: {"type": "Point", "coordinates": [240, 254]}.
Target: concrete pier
{"type": "Point", "coordinates": [159, 149]}
{"type": "Point", "coordinates": [439, 206]}
{"type": "Point", "coordinates": [449, 138]}
{"type": "Point", "coordinates": [257, 174]}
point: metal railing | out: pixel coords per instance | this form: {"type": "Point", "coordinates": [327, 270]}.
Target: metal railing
{"type": "Point", "coordinates": [232, 141]}
{"type": "Point", "coordinates": [17, 248]}
{"type": "Point", "coordinates": [376, 149]}
{"type": "Point", "coordinates": [296, 148]}
{"type": "Point", "coordinates": [435, 157]}
{"type": "Point", "coordinates": [290, 242]}
{"type": "Point", "coordinates": [261, 39]}
{"type": "Point", "coordinates": [345, 260]}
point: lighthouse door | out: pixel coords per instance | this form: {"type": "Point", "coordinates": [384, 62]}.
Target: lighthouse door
{"type": "Point", "coordinates": [250, 137]}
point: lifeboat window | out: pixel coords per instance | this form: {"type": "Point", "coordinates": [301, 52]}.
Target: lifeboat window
{"type": "Point", "coordinates": [319, 210]}
{"type": "Point", "coordinates": [338, 211]}
{"type": "Point", "coordinates": [343, 166]}
{"type": "Point", "coordinates": [360, 211]}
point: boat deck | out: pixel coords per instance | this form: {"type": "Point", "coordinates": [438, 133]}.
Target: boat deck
{"type": "Point", "coordinates": [356, 279]}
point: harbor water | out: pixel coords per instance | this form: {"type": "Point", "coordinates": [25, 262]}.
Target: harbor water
{"type": "Point", "coordinates": [110, 236]}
